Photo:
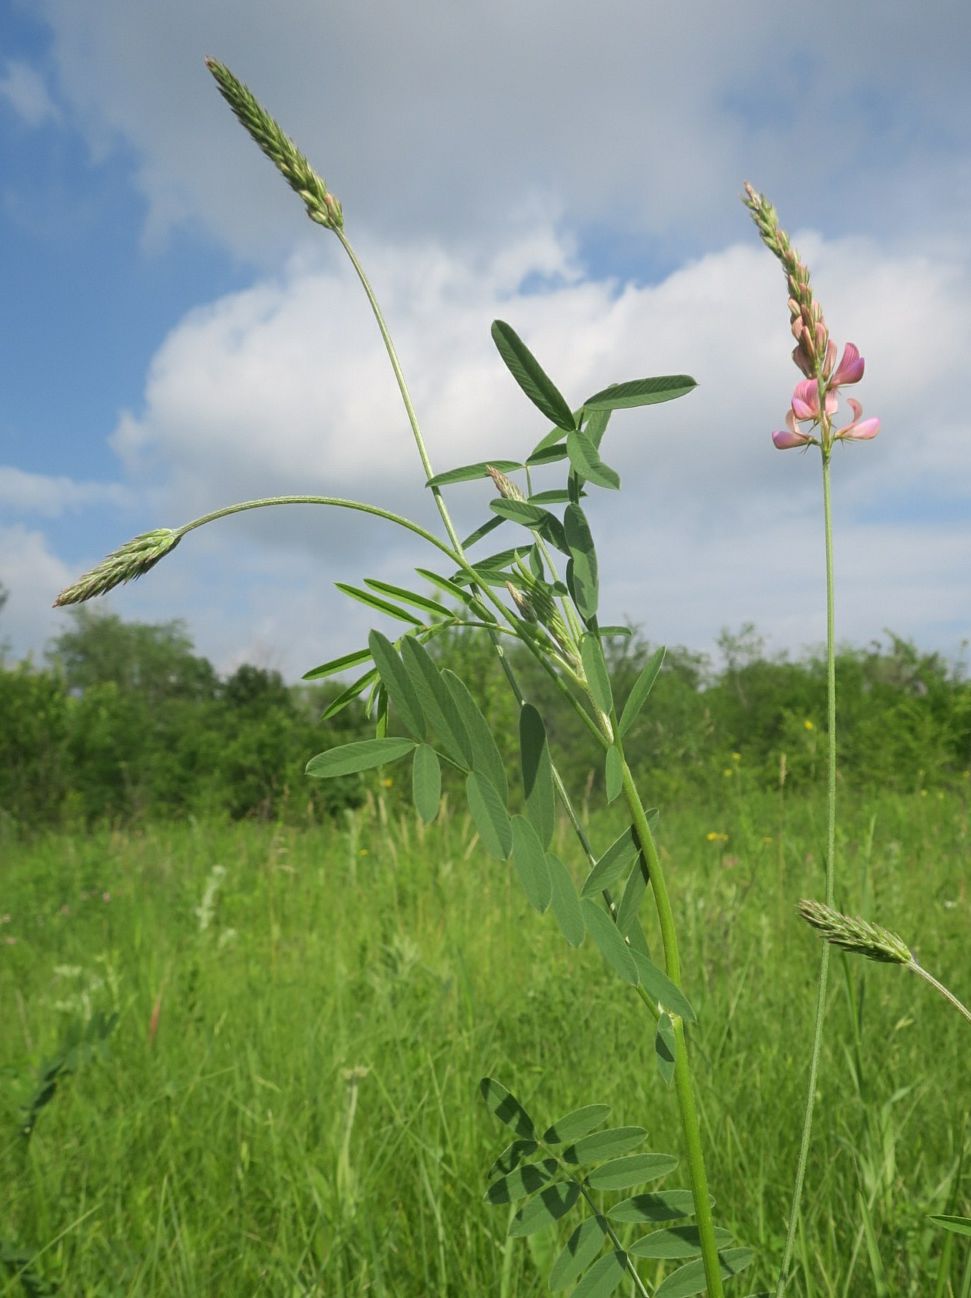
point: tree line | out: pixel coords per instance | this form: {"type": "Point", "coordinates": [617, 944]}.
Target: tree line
{"type": "Point", "coordinates": [124, 722]}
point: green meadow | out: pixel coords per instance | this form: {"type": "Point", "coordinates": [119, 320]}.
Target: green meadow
{"type": "Point", "coordinates": [243, 1058]}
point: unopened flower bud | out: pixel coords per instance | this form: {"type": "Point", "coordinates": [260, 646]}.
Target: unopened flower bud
{"type": "Point", "coordinates": [505, 486]}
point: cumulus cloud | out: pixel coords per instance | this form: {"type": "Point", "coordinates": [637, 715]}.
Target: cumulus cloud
{"type": "Point", "coordinates": [284, 387]}
{"type": "Point", "coordinates": [31, 574]}
{"type": "Point", "coordinates": [639, 121]}
{"type": "Point", "coordinates": [39, 493]}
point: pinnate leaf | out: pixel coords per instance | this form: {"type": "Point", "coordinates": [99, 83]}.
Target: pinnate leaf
{"type": "Point", "coordinates": [582, 578]}
{"type": "Point", "coordinates": [613, 773]}
{"type": "Point", "coordinates": [396, 681]}
{"type": "Point", "coordinates": [522, 1182]}
{"type": "Point", "coordinates": [378, 604]}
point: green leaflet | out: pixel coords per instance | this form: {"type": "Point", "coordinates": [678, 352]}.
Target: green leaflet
{"type": "Point", "coordinates": [446, 584]}
{"type": "Point", "coordinates": [347, 696]}
{"type": "Point", "coordinates": [518, 511]}
{"type": "Point", "coordinates": [664, 1049]}
{"type": "Point", "coordinates": [640, 392]}
{"type": "Point", "coordinates": [337, 665]}
{"type": "Point", "coordinates": [480, 532]}
{"type": "Point", "coordinates": [595, 670]}
{"type": "Point", "coordinates": [614, 865]}
{"type": "Point", "coordinates": [548, 454]}
{"type": "Point", "coordinates": [529, 858]}
{"type": "Point", "coordinates": [396, 681]}
{"type": "Point", "coordinates": [582, 570]}
{"type": "Point", "coordinates": [586, 460]}
{"type": "Point", "coordinates": [640, 690]}
{"type": "Point", "coordinates": [549, 1205]}
{"type": "Point", "coordinates": [489, 815]}
{"type": "Point", "coordinates": [578, 1252]}
{"type": "Point", "coordinates": [408, 597]}
{"type": "Point", "coordinates": [676, 1241]}
{"type": "Point", "coordinates": [522, 1182]}
{"type": "Point", "coordinates": [611, 1143]}
{"type": "Point", "coordinates": [666, 1206]}
{"type": "Point", "coordinates": [362, 755]}
{"type": "Point", "coordinates": [380, 605]}
{"type": "Point", "coordinates": [690, 1279]}
{"type": "Point", "coordinates": [566, 903]}
{"type": "Point", "coordinates": [603, 1277]}
{"type": "Point", "coordinates": [485, 754]}
{"type": "Point", "coordinates": [575, 1124]}
{"type": "Point", "coordinates": [537, 773]}
{"type": "Point", "coordinates": [437, 704]}
{"type": "Point", "coordinates": [630, 903]}
{"type": "Point", "coordinates": [506, 1107]}
{"type": "Point", "coordinates": [530, 375]}
{"type": "Point", "coordinates": [613, 773]}
{"type": "Point", "coordinates": [511, 1157]}
{"type": "Point", "coordinates": [595, 425]}
{"type": "Point", "coordinates": [554, 497]}
{"type": "Point", "coordinates": [613, 948]}
{"type": "Point", "coordinates": [468, 472]}
{"type": "Point", "coordinates": [660, 987]}
{"type": "Point", "coordinates": [426, 782]}
{"type": "Point", "coordinates": [635, 1169]}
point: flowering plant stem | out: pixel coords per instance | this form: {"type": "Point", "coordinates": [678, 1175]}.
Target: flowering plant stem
{"type": "Point", "coordinates": [823, 984]}
{"type": "Point", "coordinates": [684, 1085]}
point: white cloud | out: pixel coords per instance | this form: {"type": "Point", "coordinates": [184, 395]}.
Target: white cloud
{"type": "Point", "coordinates": [23, 88]}
{"type": "Point", "coordinates": [31, 575]}
{"type": "Point", "coordinates": [285, 388]}
{"type": "Point", "coordinates": [39, 493]}
{"type": "Point", "coordinates": [636, 120]}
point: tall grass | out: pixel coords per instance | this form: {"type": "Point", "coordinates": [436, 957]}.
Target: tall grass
{"type": "Point", "coordinates": [298, 1116]}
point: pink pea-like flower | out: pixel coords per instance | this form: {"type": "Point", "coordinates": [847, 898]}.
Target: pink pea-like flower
{"type": "Point", "coordinates": [805, 400]}
{"type": "Point", "coordinates": [850, 369]}
{"type": "Point", "coordinates": [786, 440]}
{"type": "Point", "coordinates": [860, 430]}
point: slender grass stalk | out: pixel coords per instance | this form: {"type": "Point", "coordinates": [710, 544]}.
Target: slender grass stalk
{"type": "Point", "coordinates": [823, 985]}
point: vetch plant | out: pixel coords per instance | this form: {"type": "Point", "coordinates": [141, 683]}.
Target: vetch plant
{"type": "Point", "coordinates": [542, 592]}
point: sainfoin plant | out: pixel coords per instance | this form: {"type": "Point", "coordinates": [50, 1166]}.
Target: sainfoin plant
{"type": "Point", "coordinates": [626, 1222]}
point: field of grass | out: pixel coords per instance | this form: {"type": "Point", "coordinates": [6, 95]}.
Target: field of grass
{"type": "Point", "coordinates": [288, 1104]}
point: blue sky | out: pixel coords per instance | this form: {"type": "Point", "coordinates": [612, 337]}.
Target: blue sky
{"type": "Point", "coordinates": [177, 335]}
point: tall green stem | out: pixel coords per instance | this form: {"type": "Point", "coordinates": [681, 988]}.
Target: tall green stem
{"type": "Point", "coordinates": [821, 991]}
{"type": "Point", "coordinates": [683, 1084]}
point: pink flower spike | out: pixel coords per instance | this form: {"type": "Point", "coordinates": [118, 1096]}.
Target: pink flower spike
{"type": "Point", "coordinates": [793, 436]}
{"type": "Point", "coordinates": [805, 400]}
{"type": "Point", "coordinates": [850, 367]}
{"type": "Point", "coordinates": [860, 430]}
